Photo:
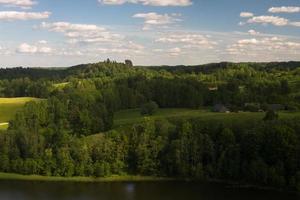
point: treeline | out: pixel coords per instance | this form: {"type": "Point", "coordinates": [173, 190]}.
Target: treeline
{"type": "Point", "coordinates": [32, 73]}
{"type": "Point", "coordinates": [85, 70]}
{"type": "Point", "coordinates": [258, 152]}
{"type": "Point", "coordinates": [25, 87]}
{"type": "Point", "coordinates": [233, 85]}
{"type": "Point", "coordinates": [213, 67]}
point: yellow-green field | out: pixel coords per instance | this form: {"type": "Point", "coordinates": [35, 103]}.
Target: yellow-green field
{"type": "Point", "coordinates": [3, 126]}
{"type": "Point", "coordinates": [9, 107]}
{"type": "Point", "coordinates": [61, 85]}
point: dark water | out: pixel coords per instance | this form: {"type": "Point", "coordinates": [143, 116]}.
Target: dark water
{"type": "Point", "coordinates": [19, 190]}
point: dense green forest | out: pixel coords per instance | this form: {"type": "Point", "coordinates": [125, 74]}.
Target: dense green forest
{"type": "Point", "coordinates": [71, 131]}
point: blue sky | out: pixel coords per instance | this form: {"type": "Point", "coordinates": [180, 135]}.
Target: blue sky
{"type": "Point", "coordinates": [149, 32]}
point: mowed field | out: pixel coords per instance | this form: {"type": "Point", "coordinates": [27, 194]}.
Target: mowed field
{"type": "Point", "coordinates": [128, 117]}
{"type": "Point", "coordinates": [9, 107]}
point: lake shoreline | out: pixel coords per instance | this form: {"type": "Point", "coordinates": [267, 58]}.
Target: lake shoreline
{"type": "Point", "coordinates": [115, 178]}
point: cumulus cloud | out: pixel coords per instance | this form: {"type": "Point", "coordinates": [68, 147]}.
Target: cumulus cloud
{"type": "Point", "coordinates": [188, 40]}
{"type": "Point", "coordinates": [149, 2]}
{"type": "Point", "coordinates": [246, 14]}
{"type": "Point", "coordinates": [91, 40]}
{"type": "Point", "coordinates": [24, 4]}
{"type": "Point", "coordinates": [284, 9]}
{"type": "Point", "coordinates": [124, 47]}
{"type": "Point", "coordinates": [297, 24]}
{"type": "Point", "coordinates": [82, 33]}
{"type": "Point", "coordinates": [4, 51]}
{"type": "Point", "coordinates": [253, 32]}
{"type": "Point", "coordinates": [153, 19]}
{"type": "Point", "coordinates": [176, 51]}
{"type": "Point", "coordinates": [255, 49]}
{"type": "Point", "coordinates": [33, 49]}
{"type": "Point", "coordinates": [277, 21]}
{"type": "Point", "coordinates": [42, 42]}
{"type": "Point", "coordinates": [15, 15]}
{"type": "Point", "coordinates": [274, 20]}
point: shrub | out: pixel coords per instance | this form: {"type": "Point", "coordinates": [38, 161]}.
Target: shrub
{"type": "Point", "coordinates": [149, 108]}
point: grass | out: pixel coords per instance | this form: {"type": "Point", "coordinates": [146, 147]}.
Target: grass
{"type": "Point", "coordinates": [125, 178]}
{"type": "Point", "coordinates": [9, 107]}
{"type": "Point", "coordinates": [128, 117]}
{"type": "Point", "coordinates": [3, 126]}
{"type": "Point", "coordinates": [61, 85]}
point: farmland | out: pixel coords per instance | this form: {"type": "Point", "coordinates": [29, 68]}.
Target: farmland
{"type": "Point", "coordinates": [10, 106]}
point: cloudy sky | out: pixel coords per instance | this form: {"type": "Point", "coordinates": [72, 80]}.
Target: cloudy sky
{"type": "Point", "coordinates": [149, 32]}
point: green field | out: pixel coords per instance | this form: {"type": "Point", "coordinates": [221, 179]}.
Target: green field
{"type": "Point", "coordinates": [128, 117]}
{"type": "Point", "coordinates": [3, 126]}
{"type": "Point", "coordinates": [61, 85]}
{"type": "Point", "coordinates": [9, 107]}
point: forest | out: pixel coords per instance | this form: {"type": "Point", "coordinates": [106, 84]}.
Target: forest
{"type": "Point", "coordinates": [71, 130]}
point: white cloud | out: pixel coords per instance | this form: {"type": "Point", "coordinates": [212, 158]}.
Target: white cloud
{"type": "Point", "coordinates": [149, 2]}
{"type": "Point", "coordinates": [188, 40]}
{"type": "Point", "coordinates": [274, 20]}
{"type": "Point", "coordinates": [297, 24]}
{"type": "Point", "coordinates": [15, 15]}
{"type": "Point", "coordinates": [284, 9]}
{"type": "Point", "coordinates": [255, 49]}
{"type": "Point", "coordinates": [176, 51]}
{"type": "Point", "coordinates": [46, 50]}
{"type": "Point", "coordinates": [246, 14]}
{"type": "Point", "coordinates": [91, 41]}
{"type": "Point", "coordinates": [82, 33]}
{"type": "Point", "coordinates": [4, 51]}
{"type": "Point", "coordinates": [153, 19]}
{"type": "Point", "coordinates": [277, 21]}
{"type": "Point", "coordinates": [24, 4]}
{"type": "Point", "coordinates": [42, 42]}
{"type": "Point", "coordinates": [253, 32]}
{"type": "Point", "coordinates": [32, 49]}
{"type": "Point", "coordinates": [126, 47]}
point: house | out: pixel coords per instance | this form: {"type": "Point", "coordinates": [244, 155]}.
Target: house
{"type": "Point", "coordinates": [213, 88]}
{"type": "Point", "coordinates": [276, 107]}
{"type": "Point", "coordinates": [220, 108]}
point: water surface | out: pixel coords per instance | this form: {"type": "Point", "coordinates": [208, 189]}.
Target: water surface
{"type": "Point", "coordinates": [27, 190]}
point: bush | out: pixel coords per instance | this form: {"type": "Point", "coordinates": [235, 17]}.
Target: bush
{"type": "Point", "coordinates": [149, 108]}
{"type": "Point", "coordinates": [252, 107]}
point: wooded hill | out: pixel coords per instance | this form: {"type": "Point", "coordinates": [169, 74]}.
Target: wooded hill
{"type": "Point", "coordinates": [73, 131]}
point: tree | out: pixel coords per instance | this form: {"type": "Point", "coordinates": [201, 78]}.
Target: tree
{"type": "Point", "coordinates": [128, 63]}
{"type": "Point", "coordinates": [149, 108]}
{"type": "Point", "coordinates": [285, 88]}
{"type": "Point", "coordinates": [270, 115]}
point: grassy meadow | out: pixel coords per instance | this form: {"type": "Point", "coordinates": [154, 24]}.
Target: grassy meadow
{"type": "Point", "coordinates": [9, 107]}
{"type": "Point", "coordinates": [126, 118]}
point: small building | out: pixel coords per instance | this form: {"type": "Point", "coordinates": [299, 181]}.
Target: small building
{"type": "Point", "coordinates": [213, 88]}
{"type": "Point", "coordinates": [220, 108]}
{"type": "Point", "coordinates": [276, 107]}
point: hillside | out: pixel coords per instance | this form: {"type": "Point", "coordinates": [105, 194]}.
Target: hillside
{"type": "Point", "coordinates": [79, 70]}
{"type": "Point", "coordinates": [228, 121]}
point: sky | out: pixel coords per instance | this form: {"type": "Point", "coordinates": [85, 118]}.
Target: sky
{"type": "Point", "coordinates": [61, 33]}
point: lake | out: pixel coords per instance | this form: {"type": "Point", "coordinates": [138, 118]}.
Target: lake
{"type": "Point", "coordinates": [23, 190]}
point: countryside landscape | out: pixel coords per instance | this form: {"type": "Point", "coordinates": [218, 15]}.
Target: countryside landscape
{"type": "Point", "coordinates": [112, 121]}
{"type": "Point", "coordinates": [149, 100]}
